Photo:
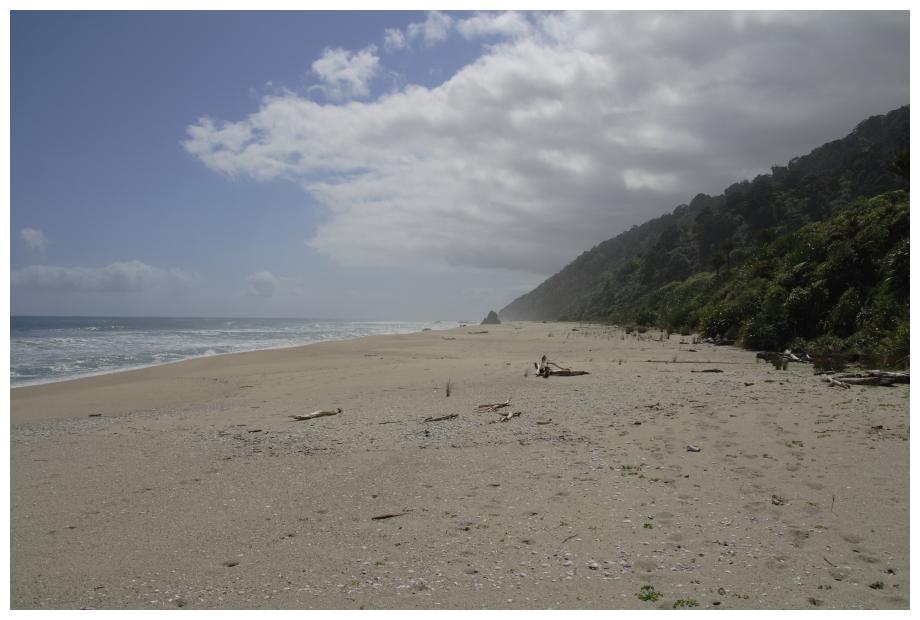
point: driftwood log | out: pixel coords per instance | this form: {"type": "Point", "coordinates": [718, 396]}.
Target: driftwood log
{"type": "Point", "coordinates": [874, 377]}
{"type": "Point", "coordinates": [317, 414]}
{"type": "Point", "coordinates": [835, 383]}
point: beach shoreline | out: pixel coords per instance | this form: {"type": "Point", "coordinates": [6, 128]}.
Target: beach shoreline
{"type": "Point", "coordinates": [190, 485]}
{"type": "Point", "coordinates": [142, 366]}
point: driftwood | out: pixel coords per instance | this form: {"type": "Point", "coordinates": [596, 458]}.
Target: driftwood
{"type": "Point", "coordinates": [317, 414]}
{"type": "Point", "coordinates": [709, 370]}
{"type": "Point", "coordinates": [493, 406]}
{"type": "Point", "coordinates": [388, 516]}
{"type": "Point", "coordinates": [443, 417]}
{"type": "Point", "coordinates": [835, 383]}
{"type": "Point", "coordinates": [564, 373]}
{"type": "Point", "coordinates": [874, 377]}
{"type": "Point", "coordinates": [544, 370]}
{"type": "Point", "coordinates": [506, 416]}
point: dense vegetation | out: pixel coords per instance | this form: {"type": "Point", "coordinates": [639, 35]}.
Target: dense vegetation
{"type": "Point", "coordinates": [815, 252]}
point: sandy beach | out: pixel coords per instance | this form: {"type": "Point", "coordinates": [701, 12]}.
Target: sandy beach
{"type": "Point", "coordinates": [189, 485]}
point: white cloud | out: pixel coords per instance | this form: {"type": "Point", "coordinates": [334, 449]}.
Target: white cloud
{"type": "Point", "coordinates": [347, 74]}
{"type": "Point", "coordinates": [393, 39]}
{"type": "Point", "coordinates": [557, 140]}
{"type": "Point", "coordinates": [262, 284]}
{"type": "Point", "coordinates": [434, 29]}
{"type": "Point", "coordinates": [34, 239]}
{"type": "Point", "coordinates": [506, 24]}
{"type": "Point", "coordinates": [118, 277]}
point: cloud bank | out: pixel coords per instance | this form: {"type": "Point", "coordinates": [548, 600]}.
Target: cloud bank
{"type": "Point", "coordinates": [118, 277]}
{"type": "Point", "coordinates": [565, 131]}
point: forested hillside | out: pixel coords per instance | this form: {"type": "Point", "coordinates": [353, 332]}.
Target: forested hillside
{"type": "Point", "coordinates": [818, 249]}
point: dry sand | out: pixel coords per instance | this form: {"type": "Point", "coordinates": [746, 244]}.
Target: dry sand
{"type": "Point", "coordinates": [194, 488]}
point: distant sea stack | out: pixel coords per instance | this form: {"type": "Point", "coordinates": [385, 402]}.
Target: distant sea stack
{"type": "Point", "coordinates": [491, 319]}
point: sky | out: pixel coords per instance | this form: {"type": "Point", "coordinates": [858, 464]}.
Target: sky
{"type": "Point", "coordinates": [394, 165]}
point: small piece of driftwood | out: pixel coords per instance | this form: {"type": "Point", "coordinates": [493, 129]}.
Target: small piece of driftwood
{"type": "Point", "coordinates": [506, 416]}
{"type": "Point", "coordinates": [388, 516]}
{"type": "Point", "coordinates": [443, 417]}
{"type": "Point", "coordinates": [493, 406]}
{"type": "Point", "coordinates": [709, 370]}
{"type": "Point", "coordinates": [317, 414]}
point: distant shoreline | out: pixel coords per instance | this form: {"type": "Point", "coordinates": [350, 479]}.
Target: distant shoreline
{"type": "Point", "coordinates": [435, 325]}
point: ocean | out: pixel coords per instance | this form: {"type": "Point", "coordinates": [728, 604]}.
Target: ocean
{"type": "Point", "coordinates": [48, 349]}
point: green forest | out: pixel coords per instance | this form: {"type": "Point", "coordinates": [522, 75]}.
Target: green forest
{"type": "Point", "coordinates": [813, 256]}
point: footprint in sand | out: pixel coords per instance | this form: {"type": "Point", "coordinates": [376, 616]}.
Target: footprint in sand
{"type": "Point", "coordinates": [777, 564]}
{"type": "Point", "coordinates": [853, 539]}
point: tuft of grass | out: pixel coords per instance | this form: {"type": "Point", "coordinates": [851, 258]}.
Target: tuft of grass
{"type": "Point", "coordinates": [447, 389]}
{"type": "Point", "coordinates": [878, 585]}
{"type": "Point", "coordinates": [647, 526]}
{"type": "Point", "coordinates": [648, 593]}
{"type": "Point", "coordinates": [684, 603]}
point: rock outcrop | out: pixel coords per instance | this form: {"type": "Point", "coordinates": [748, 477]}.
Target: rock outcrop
{"type": "Point", "coordinates": [491, 319]}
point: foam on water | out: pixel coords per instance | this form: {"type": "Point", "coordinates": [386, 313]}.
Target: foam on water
{"type": "Point", "coordinates": [49, 349]}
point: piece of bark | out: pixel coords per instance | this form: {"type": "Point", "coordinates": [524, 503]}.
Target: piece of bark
{"type": "Point", "coordinates": [316, 414]}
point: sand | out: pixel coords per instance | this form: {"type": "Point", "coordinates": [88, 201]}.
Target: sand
{"type": "Point", "coordinates": [194, 488]}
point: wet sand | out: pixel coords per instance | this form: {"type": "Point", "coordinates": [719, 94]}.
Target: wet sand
{"type": "Point", "coordinates": [191, 486]}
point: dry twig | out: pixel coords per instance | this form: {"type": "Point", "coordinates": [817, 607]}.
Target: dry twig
{"type": "Point", "coordinates": [316, 414]}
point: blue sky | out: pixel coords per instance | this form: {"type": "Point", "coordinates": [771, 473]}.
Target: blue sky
{"type": "Point", "coordinates": [393, 165]}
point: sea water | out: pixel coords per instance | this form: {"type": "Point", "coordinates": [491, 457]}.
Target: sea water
{"type": "Point", "coordinates": [48, 349]}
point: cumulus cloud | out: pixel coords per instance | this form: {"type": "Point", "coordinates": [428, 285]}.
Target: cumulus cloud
{"type": "Point", "coordinates": [506, 24]}
{"type": "Point", "coordinates": [118, 277]}
{"type": "Point", "coordinates": [34, 239]}
{"type": "Point", "coordinates": [434, 29]}
{"type": "Point", "coordinates": [393, 39]}
{"type": "Point", "coordinates": [557, 139]}
{"type": "Point", "coordinates": [261, 284]}
{"type": "Point", "coordinates": [345, 74]}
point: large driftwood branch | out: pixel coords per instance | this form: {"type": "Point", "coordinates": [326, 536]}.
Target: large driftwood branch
{"type": "Point", "coordinates": [317, 414]}
{"type": "Point", "coordinates": [875, 377]}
